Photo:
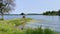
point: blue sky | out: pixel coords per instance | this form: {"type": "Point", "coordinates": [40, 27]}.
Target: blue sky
{"type": "Point", "coordinates": [35, 6]}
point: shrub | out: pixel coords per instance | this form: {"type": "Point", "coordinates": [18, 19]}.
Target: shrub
{"type": "Point", "coordinates": [40, 31]}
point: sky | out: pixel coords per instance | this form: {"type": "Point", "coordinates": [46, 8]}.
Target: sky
{"type": "Point", "coordinates": [35, 6]}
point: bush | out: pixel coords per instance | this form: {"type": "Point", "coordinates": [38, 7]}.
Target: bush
{"type": "Point", "coordinates": [40, 31]}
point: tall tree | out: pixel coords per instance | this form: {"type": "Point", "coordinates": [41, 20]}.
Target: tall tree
{"type": "Point", "coordinates": [6, 6]}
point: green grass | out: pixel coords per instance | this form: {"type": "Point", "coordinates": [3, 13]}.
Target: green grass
{"type": "Point", "coordinates": [15, 22]}
{"type": "Point", "coordinates": [40, 31]}
{"type": "Point", "coordinates": [9, 27]}
{"type": "Point", "coordinates": [6, 28]}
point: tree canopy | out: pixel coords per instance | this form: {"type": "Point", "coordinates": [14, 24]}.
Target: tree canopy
{"type": "Point", "coordinates": [22, 14]}
{"type": "Point", "coordinates": [52, 12]}
{"type": "Point", "coordinates": [6, 6]}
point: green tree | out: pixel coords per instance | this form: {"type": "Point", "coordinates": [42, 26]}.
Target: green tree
{"type": "Point", "coordinates": [46, 13]}
{"type": "Point", "coordinates": [53, 13]}
{"type": "Point", "coordinates": [59, 12]}
{"type": "Point", "coordinates": [22, 14]}
{"type": "Point", "coordinates": [6, 6]}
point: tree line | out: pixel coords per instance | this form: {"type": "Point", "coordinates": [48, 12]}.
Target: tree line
{"type": "Point", "coordinates": [52, 13]}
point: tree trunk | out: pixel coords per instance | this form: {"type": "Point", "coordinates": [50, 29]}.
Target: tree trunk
{"type": "Point", "coordinates": [2, 15]}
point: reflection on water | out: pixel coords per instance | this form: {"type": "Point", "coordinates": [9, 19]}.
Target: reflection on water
{"type": "Point", "coordinates": [50, 21]}
{"type": "Point", "coordinates": [44, 25]}
{"type": "Point", "coordinates": [59, 18]}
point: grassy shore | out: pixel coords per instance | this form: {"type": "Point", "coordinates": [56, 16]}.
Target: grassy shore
{"type": "Point", "coordinates": [8, 27]}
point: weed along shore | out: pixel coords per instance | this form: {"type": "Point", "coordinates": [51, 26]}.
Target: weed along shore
{"type": "Point", "coordinates": [24, 21]}
{"type": "Point", "coordinates": [10, 27]}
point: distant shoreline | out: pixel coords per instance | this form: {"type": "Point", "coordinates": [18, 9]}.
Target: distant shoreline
{"type": "Point", "coordinates": [20, 14]}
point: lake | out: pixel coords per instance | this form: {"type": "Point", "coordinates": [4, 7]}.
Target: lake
{"type": "Point", "coordinates": [48, 21]}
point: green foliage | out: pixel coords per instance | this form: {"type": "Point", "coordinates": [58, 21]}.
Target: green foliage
{"type": "Point", "coordinates": [6, 28]}
{"type": "Point", "coordinates": [18, 22]}
{"type": "Point", "coordinates": [6, 6]}
{"type": "Point", "coordinates": [51, 13]}
{"type": "Point", "coordinates": [1, 19]}
{"type": "Point", "coordinates": [40, 31]}
{"type": "Point", "coordinates": [9, 27]}
{"type": "Point", "coordinates": [59, 12]}
{"type": "Point", "coordinates": [48, 31]}
{"type": "Point", "coordinates": [22, 14]}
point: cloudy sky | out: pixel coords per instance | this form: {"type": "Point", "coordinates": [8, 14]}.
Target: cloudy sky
{"type": "Point", "coordinates": [35, 6]}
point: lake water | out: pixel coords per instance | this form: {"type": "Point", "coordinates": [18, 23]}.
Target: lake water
{"type": "Point", "coordinates": [48, 21]}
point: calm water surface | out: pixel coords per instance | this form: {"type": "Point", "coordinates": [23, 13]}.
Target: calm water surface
{"type": "Point", "coordinates": [48, 21]}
